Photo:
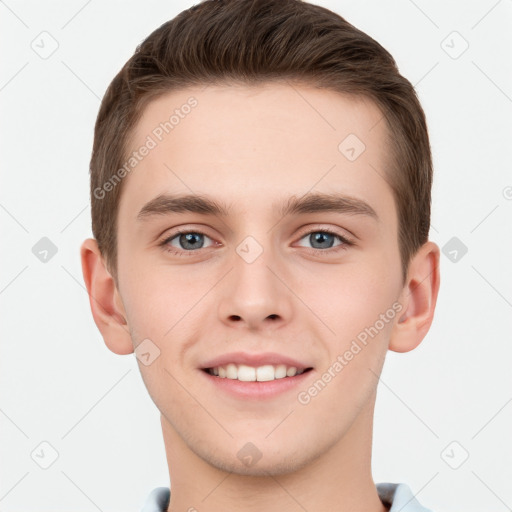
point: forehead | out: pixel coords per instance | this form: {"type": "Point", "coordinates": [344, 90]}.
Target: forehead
{"type": "Point", "coordinates": [242, 143]}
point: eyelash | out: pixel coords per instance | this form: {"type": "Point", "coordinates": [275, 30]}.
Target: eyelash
{"type": "Point", "coordinates": [322, 252]}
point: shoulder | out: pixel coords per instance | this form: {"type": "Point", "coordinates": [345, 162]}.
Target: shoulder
{"type": "Point", "coordinates": [157, 500]}
{"type": "Point", "coordinates": [399, 497]}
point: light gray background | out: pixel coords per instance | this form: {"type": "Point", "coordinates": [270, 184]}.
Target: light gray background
{"type": "Point", "coordinates": [61, 385]}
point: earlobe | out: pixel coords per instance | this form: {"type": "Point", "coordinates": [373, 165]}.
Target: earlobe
{"type": "Point", "coordinates": [105, 301]}
{"type": "Point", "coordinates": [419, 297]}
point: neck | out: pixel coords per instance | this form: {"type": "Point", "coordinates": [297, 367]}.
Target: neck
{"type": "Point", "coordinates": [339, 479]}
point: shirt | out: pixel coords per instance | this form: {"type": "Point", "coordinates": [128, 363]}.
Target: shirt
{"type": "Point", "coordinates": [396, 496]}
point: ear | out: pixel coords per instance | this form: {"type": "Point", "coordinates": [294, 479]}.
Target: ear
{"type": "Point", "coordinates": [418, 298]}
{"type": "Point", "coordinates": [106, 304]}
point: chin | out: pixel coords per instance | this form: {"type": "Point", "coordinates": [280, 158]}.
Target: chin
{"type": "Point", "coordinates": [260, 465]}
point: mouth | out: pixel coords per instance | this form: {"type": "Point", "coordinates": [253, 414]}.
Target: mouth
{"type": "Point", "coordinates": [255, 383]}
{"type": "Point", "coordinates": [264, 373]}
{"type": "Point", "coordinates": [255, 376]}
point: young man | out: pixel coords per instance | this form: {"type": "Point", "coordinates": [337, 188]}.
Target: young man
{"type": "Point", "coordinates": [260, 187]}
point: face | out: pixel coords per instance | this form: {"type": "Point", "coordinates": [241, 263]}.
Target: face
{"type": "Point", "coordinates": [299, 266]}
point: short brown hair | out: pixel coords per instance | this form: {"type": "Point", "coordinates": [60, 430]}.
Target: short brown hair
{"type": "Point", "coordinates": [258, 41]}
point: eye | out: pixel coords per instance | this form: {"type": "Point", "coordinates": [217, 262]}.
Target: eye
{"type": "Point", "coordinates": [322, 240]}
{"type": "Point", "coordinates": [187, 241]}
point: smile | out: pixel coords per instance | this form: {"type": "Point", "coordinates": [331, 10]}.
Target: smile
{"type": "Point", "coordinates": [247, 373]}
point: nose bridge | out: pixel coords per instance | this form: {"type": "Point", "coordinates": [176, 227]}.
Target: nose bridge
{"type": "Point", "coordinates": [253, 293]}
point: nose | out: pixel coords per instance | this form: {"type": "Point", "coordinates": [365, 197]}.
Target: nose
{"type": "Point", "coordinates": [255, 294]}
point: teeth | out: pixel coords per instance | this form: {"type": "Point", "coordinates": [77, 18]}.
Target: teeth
{"type": "Point", "coordinates": [266, 372]}
{"type": "Point", "coordinates": [246, 373]}
{"type": "Point", "coordinates": [231, 371]}
{"type": "Point", "coordinates": [290, 372]}
{"type": "Point", "coordinates": [280, 371]}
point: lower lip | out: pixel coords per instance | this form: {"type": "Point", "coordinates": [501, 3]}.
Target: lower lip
{"type": "Point", "coordinates": [256, 390]}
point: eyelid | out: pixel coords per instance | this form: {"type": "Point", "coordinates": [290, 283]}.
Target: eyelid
{"type": "Point", "coordinates": [303, 232]}
{"type": "Point", "coordinates": [166, 239]}
{"type": "Point", "coordinates": [178, 230]}
{"type": "Point", "coordinates": [345, 234]}
{"type": "Point", "coordinates": [345, 241]}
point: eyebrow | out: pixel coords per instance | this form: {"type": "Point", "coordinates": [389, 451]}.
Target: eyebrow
{"type": "Point", "coordinates": [164, 204]}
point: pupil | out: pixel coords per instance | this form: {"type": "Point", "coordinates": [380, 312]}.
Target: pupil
{"type": "Point", "coordinates": [321, 237]}
{"type": "Point", "coordinates": [190, 238]}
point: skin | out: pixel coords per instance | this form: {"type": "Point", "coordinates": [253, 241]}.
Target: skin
{"type": "Point", "coordinates": [251, 146]}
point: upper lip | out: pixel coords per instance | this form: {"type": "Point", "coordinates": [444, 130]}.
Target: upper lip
{"type": "Point", "coordinates": [259, 359]}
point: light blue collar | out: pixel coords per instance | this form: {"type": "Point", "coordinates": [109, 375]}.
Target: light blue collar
{"type": "Point", "coordinates": [398, 496]}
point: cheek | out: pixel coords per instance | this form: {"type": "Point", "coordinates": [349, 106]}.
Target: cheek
{"type": "Point", "coordinates": [361, 310]}
{"type": "Point", "coordinates": [354, 295]}
{"type": "Point", "coordinates": [163, 308]}
{"type": "Point", "coordinates": [155, 295]}
{"type": "Point", "coordinates": [359, 306]}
